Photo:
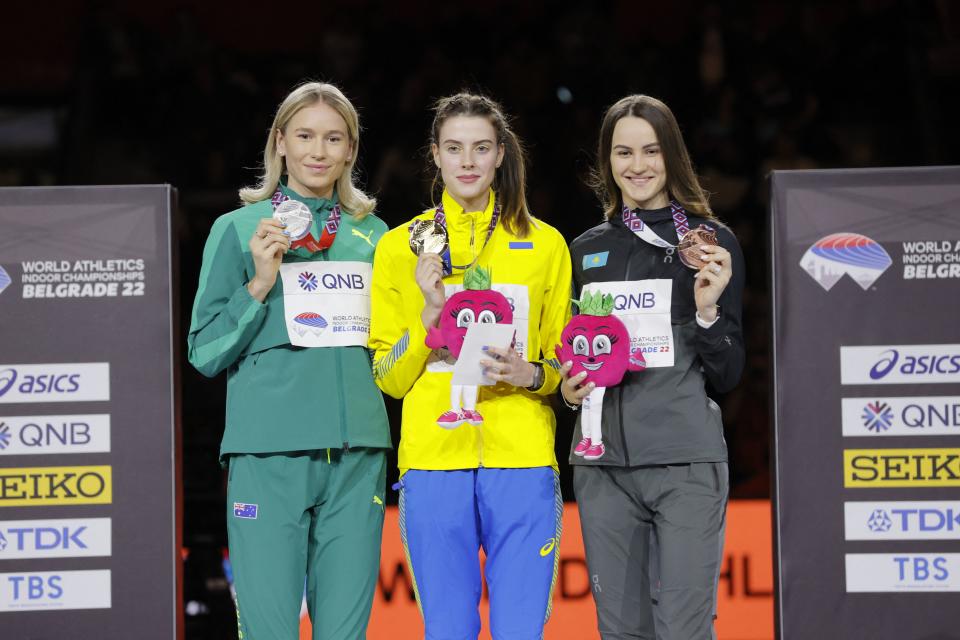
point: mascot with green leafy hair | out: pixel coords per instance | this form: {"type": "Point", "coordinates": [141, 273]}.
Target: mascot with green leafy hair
{"type": "Point", "coordinates": [476, 303]}
{"type": "Point", "coordinates": [597, 342]}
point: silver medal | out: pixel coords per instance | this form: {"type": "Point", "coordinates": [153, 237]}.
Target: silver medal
{"type": "Point", "coordinates": [296, 216]}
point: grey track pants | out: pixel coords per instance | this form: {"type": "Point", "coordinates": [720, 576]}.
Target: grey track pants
{"type": "Point", "coordinates": [654, 543]}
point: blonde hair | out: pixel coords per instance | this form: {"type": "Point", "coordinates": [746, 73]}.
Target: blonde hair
{"type": "Point", "coordinates": [351, 197]}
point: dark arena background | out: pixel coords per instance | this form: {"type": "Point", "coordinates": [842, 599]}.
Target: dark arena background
{"type": "Point", "coordinates": [112, 93]}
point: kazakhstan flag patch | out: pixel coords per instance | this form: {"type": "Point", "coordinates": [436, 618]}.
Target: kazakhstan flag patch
{"type": "Point", "coordinates": [592, 260]}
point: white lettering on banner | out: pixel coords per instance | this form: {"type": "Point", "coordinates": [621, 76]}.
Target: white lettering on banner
{"type": "Point", "coordinates": [327, 304]}
{"type": "Point", "coordinates": [900, 364]}
{"type": "Point", "coordinates": [62, 382]}
{"type": "Point", "coordinates": [644, 307]}
{"type": "Point", "coordinates": [901, 416]}
{"type": "Point", "coordinates": [931, 259]}
{"type": "Point", "coordinates": [25, 435]}
{"type": "Point", "coordinates": [928, 271]}
{"type": "Point", "coordinates": [83, 278]}
{"type": "Point", "coordinates": [65, 538]}
{"type": "Point", "coordinates": [55, 590]}
{"type": "Point", "coordinates": [902, 520]}
{"type": "Point", "coordinates": [892, 572]}
{"type": "Point", "coordinates": [517, 296]}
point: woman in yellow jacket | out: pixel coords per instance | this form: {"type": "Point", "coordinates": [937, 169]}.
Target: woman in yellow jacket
{"type": "Point", "coordinates": [492, 486]}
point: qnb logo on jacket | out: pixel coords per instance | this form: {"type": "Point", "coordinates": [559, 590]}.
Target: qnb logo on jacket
{"type": "Point", "coordinates": [830, 258]}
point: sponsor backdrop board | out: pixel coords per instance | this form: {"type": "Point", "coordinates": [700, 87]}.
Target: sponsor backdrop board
{"type": "Point", "coordinates": [89, 491]}
{"type": "Point", "coordinates": [866, 348]}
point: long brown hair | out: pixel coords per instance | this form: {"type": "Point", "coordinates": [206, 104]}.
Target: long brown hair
{"type": "Point", "coordinates": [510, 181]}
{"type": "Point", "coordinates": [682, 183]}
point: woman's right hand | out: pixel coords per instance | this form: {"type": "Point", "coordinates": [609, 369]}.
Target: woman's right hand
{"type": "Point", "coordinates": [429, 276]}
{"type": "Point", "coordinates": [570, 387]}
{"type": "Point", "coordinates": [267, 246]}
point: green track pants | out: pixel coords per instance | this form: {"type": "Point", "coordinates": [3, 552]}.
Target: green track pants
{"type": "Point", "coordinates": [313, 516]}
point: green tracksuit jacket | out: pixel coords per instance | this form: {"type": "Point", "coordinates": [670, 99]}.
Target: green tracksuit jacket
{"type": "Point", "coordinates": [281, 397]}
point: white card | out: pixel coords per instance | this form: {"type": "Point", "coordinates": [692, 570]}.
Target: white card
{"type": "Point", "coordinates": [467, 370]}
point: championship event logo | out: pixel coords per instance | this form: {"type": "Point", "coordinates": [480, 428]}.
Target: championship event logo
{"type": "Point", "coordinates": [829, 258]}
{"type": "Point", "coordinates": [4, 279]}
{"type": "Point", "coordinates": [309, 322]}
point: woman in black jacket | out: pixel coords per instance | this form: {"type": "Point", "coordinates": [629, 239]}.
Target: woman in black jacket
{"type": "Point", "coordinates": [652, 506]}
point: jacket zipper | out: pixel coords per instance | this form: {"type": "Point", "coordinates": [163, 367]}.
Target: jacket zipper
{"type": "Point", "coordinates": [623, 431]}
{"type": "Point", "coordinates": [473, 257]}
{"type": "Point", "coordinates": [343, 400]}
{"type": "Point", "coordinates": [337, 357]}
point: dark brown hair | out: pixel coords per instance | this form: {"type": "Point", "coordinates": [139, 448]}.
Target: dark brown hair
{"type": "Point", "coordinates": [682, 183]}
{"type": "Point", "coordinates": [510, 181]}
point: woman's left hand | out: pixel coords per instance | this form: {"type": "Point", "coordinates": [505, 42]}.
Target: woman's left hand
{"type": "Point", "coordinates": [508, 367]}
{"type": "Point", "coordinates": [711, 280]}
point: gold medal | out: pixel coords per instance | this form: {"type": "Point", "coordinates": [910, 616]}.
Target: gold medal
{"type": "Point", "coordinates": [689, 246]}
{"type": "Point", "coordinates": [426, 236]}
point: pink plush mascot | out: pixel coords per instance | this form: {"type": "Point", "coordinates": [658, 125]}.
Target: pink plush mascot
{"type": "Point", "coordinates": [476, 303]}
{"type": "Point", "coordinates": [597, 342]}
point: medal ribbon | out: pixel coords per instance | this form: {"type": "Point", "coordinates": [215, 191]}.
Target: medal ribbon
{"type": "Point", "coordinates": [328, 235]}
{"type": "Point", "coordinates": [645, 233]}
{"type": "Point", "coordinates": [440, 219]}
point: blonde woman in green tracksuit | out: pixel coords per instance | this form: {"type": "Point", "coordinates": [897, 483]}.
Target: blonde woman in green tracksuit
{"type": "Point", "coordinates": [283, 307]}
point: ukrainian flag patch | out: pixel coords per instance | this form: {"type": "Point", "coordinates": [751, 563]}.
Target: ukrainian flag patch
{"type": "Point", "coordinates": [521, 245]}
{"type": "Point", "coordinates": [592, 260]}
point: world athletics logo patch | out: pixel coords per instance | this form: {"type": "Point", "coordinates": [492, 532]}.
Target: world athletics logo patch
{"type": "Point", "coordinates": [309, 322]}
{"type": "Point", "coordinates": [833, 256]}
{"type": "Point", "coordinates": [4, 279]}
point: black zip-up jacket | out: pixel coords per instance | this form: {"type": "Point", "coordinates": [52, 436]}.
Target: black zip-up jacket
{"type": "Point", "coordinates": [662, 415]}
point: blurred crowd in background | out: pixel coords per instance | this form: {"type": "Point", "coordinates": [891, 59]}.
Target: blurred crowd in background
{"type": "Point", "coordinates": [115, 93]}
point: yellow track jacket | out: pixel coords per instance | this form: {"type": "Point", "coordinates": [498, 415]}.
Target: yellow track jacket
{"type": "Point", "coordinates": [534, 273]}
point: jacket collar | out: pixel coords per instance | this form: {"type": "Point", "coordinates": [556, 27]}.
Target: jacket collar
{"type": "Point", "coordinates": [648, 216]}
{"type": "Point", "coordinates": [316, 205]}
{"type": "Point", "coordinates": [456, 216]}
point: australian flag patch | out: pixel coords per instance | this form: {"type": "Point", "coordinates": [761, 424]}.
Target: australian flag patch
{"type": "Point", "coordinates": [521, 245]}
{"type": "Point", "coordinates": [243, 510]}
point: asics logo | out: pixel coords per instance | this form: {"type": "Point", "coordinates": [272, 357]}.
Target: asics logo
{"type": "Point", "coordinates": [546, 549]}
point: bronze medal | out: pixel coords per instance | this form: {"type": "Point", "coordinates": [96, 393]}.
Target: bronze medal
{"type": "Point", "coordinates": [689, 246]}
{"type": "Point", "coordinates": [426, 236]}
